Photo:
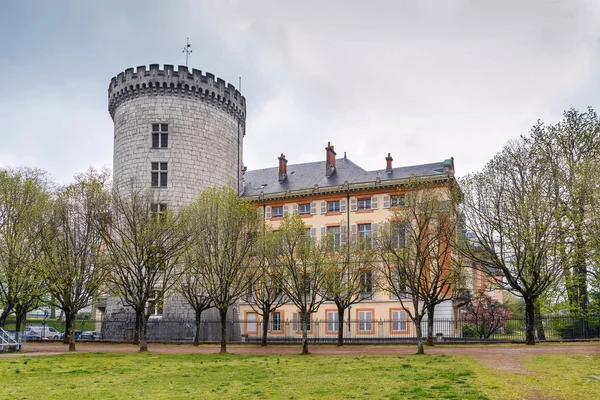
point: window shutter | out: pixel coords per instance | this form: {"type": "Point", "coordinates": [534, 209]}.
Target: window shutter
{"type": "Point", "coordinates": [313, 208]}
{"type": "Point", "coordinates": [343, 205]}
{"type": "Point", "coordinates": [386, 201]}
{"type": "Point", "coordinates": [285, 210]}
{"type": "Point", "coordinates": [374, 234]}
{"type": "Point", "coordinates": [374, 204]}
{"type": "Point", "coordinates": [352, 233]}
{"type": "Point", "coordinates": [343, 234]}
{"type": "Point", "coordinates": [295, 322]}
{"type": "Point", "coordinates": [260, 211]}
{"type": "Point", "coordinates": [294, 209]}
{"type": "Point", "coordinates": [313, 233]}
{"type": "Point", "coordinates": [323, 207]}
{"type": "Point", "coordinates": [323, 232]}
{"type": "Point", "coordinates": [268, 212]}
{"type": "Point", "coordinates": [323, 239]}
{"type": "Point", "coordinates": [352, 203]}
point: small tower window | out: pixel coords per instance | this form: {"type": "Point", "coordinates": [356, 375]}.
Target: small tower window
{"type": "Point", "coordinates": [159, 174]}
{"type": "Point", "coordinates": [160, 136]}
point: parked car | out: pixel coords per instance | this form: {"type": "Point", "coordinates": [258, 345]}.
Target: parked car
{"type": "Point", "coordinates": [77, 335]}
{"type": "Point", "coordinates": [40, 332]}
{"type": "Point", "coordinates": [90, 335]}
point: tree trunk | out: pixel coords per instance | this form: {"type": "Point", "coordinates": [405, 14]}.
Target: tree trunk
{"type": "Point", "coordinates": [303, 321]}
{"type": "Point", "coordinates": [198, 327]}
{"type": "Point", "coordinates": [539, 322]}
{"type": "Point", "coordinates": [143, 330]}
{"type": "Point", "coordinates": [18, 325]}
{"type": "Point", "coordinates": [529, 321]}
{"type": "Point", "coordinates": [71, 329]}
{"type": "Point", "coordinates": [340, 340]}
{"type": "Point", "coordinates": [420, 349]}
{"type": "Point", "coordinates": [67, 330]}
{"type": "Point", "coordinates": [223, 316]}
{"type": "Point", "coordinates": [4, 315]}
{"type": "Point", "coordinates": [52, 309]}
{"type": "Point", "coordinates": [139, 316]}
{"type": "Point", "coordinates": [430, 312]}
{"type": "Point", "coordinates": [265, 328]}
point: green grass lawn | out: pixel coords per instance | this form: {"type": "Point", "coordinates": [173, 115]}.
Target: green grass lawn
{"type": "Point", "coordinates": [212, 376]}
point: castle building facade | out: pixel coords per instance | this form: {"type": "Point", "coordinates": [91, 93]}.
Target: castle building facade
{"type": "Point", "coordinates": [178, 131]}
{"type": "Point", "coordinates": [341, 202]}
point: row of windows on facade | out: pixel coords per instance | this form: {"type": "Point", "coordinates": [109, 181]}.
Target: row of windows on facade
{"type": "Point", "coordinates": [334, 206]}
{"type": "Point", "coordinates": [366, 319]}
{"type": "Point", "coordinates": [334, 237]}
{"type": "Point", "coordinates": [366, 289]}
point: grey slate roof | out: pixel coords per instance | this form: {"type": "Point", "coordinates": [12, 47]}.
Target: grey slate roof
{"type": "Point", "coordinates": [307, 175]}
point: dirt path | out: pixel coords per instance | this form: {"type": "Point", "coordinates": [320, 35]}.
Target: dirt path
{"type": "Point", "coordinates": [507, 358]}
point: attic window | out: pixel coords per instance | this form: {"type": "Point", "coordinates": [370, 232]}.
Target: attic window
{"type": "Point", "coordinates": [264, 185]}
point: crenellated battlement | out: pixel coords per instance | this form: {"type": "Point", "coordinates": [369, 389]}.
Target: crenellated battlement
{"type": "Point", "coordinates": [153, 81]}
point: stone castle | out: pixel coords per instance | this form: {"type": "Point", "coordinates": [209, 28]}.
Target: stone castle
{"type": "Point", "coordinates": [179, 131]}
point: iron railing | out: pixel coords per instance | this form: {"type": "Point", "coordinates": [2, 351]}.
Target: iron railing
{"type": "Point", "coordinates": [556, 327]}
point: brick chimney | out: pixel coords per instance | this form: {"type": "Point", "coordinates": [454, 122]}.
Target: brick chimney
{"type": "Point", "coordinates": [388, 164]}
{"type": "Point", "coordinates": [282, 168]}
{"type": "Point", "coordinates": [330, 160]}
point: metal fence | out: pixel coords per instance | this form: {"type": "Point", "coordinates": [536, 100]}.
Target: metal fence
{"type": "Point", "coordinates": [561, 327]}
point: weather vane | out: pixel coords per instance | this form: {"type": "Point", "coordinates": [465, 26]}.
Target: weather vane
{"type": "Point", "coordinates": [187, 50]}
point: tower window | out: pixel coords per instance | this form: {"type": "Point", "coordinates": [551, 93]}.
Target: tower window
{"type": "Point", "coordinates": [160, 135]}
{"type": "Point", "coordinates": [158, 210]}
{"type": "Point", "coordinates": [159, 174]}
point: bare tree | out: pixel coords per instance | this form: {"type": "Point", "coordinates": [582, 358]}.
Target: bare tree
{"type": "Point", "coordinates": [73, 266]}
{"type": "Point", "coordinates": [192, 288]}
{"type": "Point", "coordinates": [266, 295]}
{"type": "Point", "coordinates": [348, 280]}
{"type": "Point", "coordinates": [510, 211]}
{"type": "Point", "coordinates": [24, 195]}
{"type": "Point", "coordinates": [417, 258]}
{"type": "Point", "coordinates": [224, 229]}
{"type": "Point", "coordinates": [144, 243]}
{"type": "Point", "coordinates": [301, 270]}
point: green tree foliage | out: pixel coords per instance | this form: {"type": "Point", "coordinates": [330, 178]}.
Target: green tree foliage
{"type": "Point", "coordinates": [24, 196]}
{"type": "Point", "coordinates": [510, 211]}
{"type": "Point", "coordinates": [73, 266]}
{"type": "Point", "coordinates": [571, 150]}
{"type": "Point", "coordinates": [301, 270]}
{"type": "Point", "coordinates": [222, 232]}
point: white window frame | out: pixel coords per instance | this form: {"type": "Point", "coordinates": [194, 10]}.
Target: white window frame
{"type": "Point", "coordinates": [251, 321]}
{"type": "Point", "coordinates": [365, 321]}
{"type": "Point", "coordinates": [276, 322]}
{"type": "Point", "coordinates": [304, 209]}
{"type": "Point", "coordinates": [277, 215]}
{"type": "Point", "coordinates": [161, 131]}
{"type": "Point", "coordinates": [332, 321]}
{"type": "Point", "coordinates": [331, 206]}
{"type": "Point", "coordinates": [363, 202]}
{"type": "Point", "coordinates": [153, 304]}
{"type": "Point", "coordinates": [400, 198]}
{"type": "Point", "coordinates": [399, 321]}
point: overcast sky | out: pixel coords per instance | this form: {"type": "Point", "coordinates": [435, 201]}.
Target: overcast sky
{"type": "Point", "coordinates": [423, 80]}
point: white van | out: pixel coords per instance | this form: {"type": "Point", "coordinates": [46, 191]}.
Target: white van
{"type": "Point", "coordinates": [40, 332]}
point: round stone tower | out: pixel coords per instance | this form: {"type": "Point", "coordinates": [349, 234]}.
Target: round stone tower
{"type": "Point", "coordinates": [176, 131]}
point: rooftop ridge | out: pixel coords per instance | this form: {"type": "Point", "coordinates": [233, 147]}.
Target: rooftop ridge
{"type": "Point", "coordinates": [153, 80]}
